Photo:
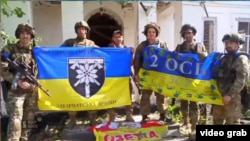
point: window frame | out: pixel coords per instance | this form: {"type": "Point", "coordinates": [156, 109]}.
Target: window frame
{"type": "Point", "coordinates": [214, 40]}
{"type": "Point", "coordinates": [246, 37]}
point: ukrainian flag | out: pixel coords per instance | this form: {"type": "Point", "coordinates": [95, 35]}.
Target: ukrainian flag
{"type": "Point", "coordinates": [83, 78]}
{"type": "Point", "coordinates": [180, 75]}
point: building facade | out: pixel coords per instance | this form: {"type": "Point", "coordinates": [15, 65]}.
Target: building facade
{"type": "Point", "coordinates": [54, 21]}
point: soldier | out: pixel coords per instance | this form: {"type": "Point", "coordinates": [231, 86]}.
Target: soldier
{"type": "Point", "coordinates": [81, 29]}
{"type": "Point", "coordinates": [151, 31]}
{"type": "Point", "coordinates": [117, 42]}
{"type": "Point", "coordinates": [190, 109]}
{"type": "Point", "coordinates": [232, 76]}
{"type": "Point", "coordinates": [21, 102]}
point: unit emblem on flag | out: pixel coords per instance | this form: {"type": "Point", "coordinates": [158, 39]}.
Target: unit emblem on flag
{"type": "Point", "coordinates": [86, 75]}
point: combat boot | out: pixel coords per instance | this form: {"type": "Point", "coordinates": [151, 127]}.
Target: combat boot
{"type": "Point", "coordinates": [23, 139]}
{"type": "Point", "coordinates": [129, 112]}
{"type": "Point", "coordinates": [72, 119]}
{"type": "Point", "coordinates": [111, 114]}
{"type": "Point", "coordinates": [144, 118]}
{"type": "Point", "coordinates": [165, 119]}
{"type": "Point", "coordinates": [186, 129]}
{"type": "Point", "coordinates": [193, 126]}
{"type": "Point", "coordinates": [129, 118]}
{"type": "Point", "coordinates": [92, 118]}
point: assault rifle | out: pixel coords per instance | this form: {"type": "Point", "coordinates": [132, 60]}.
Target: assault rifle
{"type": "Point", "coordinates": [136, 84]}
{"type": "Point", "coordinates": [22, 69]}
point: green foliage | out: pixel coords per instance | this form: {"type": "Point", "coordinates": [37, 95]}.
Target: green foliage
{"type": "Point", "coordinates": [7, 11]}
{"type": "Point", "coordinates": [7, 39]}
{"type": "Point", "coordinates": [173, 111]}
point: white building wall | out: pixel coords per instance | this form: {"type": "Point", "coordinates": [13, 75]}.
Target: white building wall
{"type": "Point", "coordinates": [72, 12]}
{"type": "Point", "coordinates": [145, 17]}
{"type": "Point", "coordinates": [165, 19]}
{"type": "Point", "coordinates": [194, 14]}
{"type": "Point", "coordinates": [225, 12]}
{"type": "Point", "coordinates": [9, 24]}
{"type": "Point", "coordinates": [178, 17]}
{"type": "Point", "coordinates": [56, 23]}
{"type": "Point", "coordinates": [48, 24]}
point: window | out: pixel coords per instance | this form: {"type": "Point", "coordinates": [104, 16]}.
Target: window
{"type": "Point", "coordinates": [244, 30]}
{"type": "Point", "coordinates": [209, 35]}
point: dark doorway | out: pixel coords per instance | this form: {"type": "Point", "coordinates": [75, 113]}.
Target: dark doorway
{"type": "Point", "coordinates": [101, 28]}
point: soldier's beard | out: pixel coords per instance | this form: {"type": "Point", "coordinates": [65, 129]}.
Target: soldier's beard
{"type": "Point", "coordinates": [231, 51]}
{"type": "Point", "coordinates": [81, 37]}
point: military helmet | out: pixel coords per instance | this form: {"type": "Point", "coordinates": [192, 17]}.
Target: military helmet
{"type": "Point", "coordinates": [234, 37]}
{"type": "Point", "coordinates": [82, 24]}
{"type": "Point", "coordinates": [151, 25]}
{"type": "Point", "coordinates": [186, 27]}
{"type": "Point", "coordinates": [24, 27]}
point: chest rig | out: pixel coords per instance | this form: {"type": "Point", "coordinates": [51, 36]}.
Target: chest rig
{"type": "Point", "coordinates": [188, 49]}
{"type": "Point", "coordinates": [23, 55]}
{"type": "Point", "coordinates": [225, 70]}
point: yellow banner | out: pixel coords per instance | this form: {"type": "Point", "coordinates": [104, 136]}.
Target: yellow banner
{"type": "Point", "coordinates": [181, 87]}
{"type": "Point", "coordinates": [132, 134]}
{"type": "Point", "coordinates": [110, 95]}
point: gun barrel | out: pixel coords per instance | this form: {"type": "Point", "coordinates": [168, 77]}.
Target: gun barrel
{"type": "Point", "coordinates": [136, 84]}
{"type": "Point", "coordinates": [33, 80]}
{"type": "Point", "coordinates": [22, 69]}
{"type": "Point", "coordinates": [45, 91]}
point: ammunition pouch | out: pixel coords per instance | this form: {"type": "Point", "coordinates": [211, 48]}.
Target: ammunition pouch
{"type": "Point", "coordinates": [225, 76]}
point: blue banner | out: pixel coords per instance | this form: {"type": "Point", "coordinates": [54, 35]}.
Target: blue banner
{"type": "Point", "coordinates": [180, 75]}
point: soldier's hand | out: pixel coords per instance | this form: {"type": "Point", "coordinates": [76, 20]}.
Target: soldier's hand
{"type": "Point", "coordinates": [202, 55]}
{"type": "Point", "coordinates": [137, 79]}
{"type": "Point", "coordinates": [226, 99]}
{"type": "Point", "coordinates": [24, 84]}
{"type": "Point", "coordinates": [132, 50]}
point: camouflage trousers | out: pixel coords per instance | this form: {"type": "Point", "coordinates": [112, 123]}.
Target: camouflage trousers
{"type": "Point", "coordinates": [128, 108]}
{"type": "Point", "coordinates": [92, 117]}
{"type": "Point", "coordinates": [231, 113]}
{"type": "Point", "coordinates": [145, 105]}
{"type": "Point", "coordinates": [21, 108]}
{"type": "Point", "coordinates": [129, 113]}
{"type": "Point", "coordinates": [190, 112]}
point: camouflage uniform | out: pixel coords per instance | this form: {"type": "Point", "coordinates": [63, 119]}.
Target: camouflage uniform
{"type": "Point", "coordinates": [138, 60]}
{"type": "Point", "coordinates": [21, 104]}
{"type": "Point", "coordinates": [190, 110]}
{"type": "Point", "coordinates": [128, 108]}
{"type": "Point", "coordinates": [232, 77]}
{"type": "Point", "coordinates": [81, 42]}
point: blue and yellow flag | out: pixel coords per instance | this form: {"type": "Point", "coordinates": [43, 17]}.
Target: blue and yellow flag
{"type": "Point", "coordinates": [83, 78]}
{"type": "Point", "coordinates": [180, 75]}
